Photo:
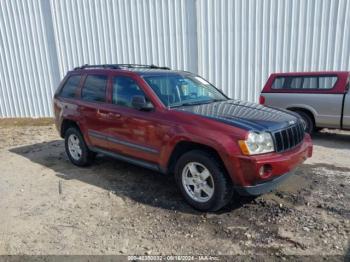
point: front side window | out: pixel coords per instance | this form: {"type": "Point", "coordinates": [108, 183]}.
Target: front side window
{"type": "Point", "coordinates": [304, 82]}
{"type": "Point", "coordinates": [177, 90]}
{"type": "Point", "coordinates": [70, 87]}
{"type": "Point", "coordinates": [94, 88]}
{"type": "Point", "coordinates": [124, 88]}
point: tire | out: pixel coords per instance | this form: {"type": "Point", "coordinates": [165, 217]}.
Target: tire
{"type": "Point", "coordinates": [310, 125]}
{"type": "Point", "coordinates": [82, 157]}
{"type": "Point", "coordinates": [221, 186]}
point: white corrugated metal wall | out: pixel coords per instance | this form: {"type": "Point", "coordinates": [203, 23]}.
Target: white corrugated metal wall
{"type": "Point", "coordinates": [241, 43]}
{"type": "Point", "coordinates": [26, 74]}
{"type": "Point", "coordinates": [234, 44]}
{"type": "Point", "coordinates": [124, 31]}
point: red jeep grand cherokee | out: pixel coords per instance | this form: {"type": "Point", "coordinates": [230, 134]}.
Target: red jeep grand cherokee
{"type": "Point", "coordinates": [177, 123]}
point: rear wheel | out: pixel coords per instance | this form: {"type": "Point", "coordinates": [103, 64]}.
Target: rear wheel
{"type": "Point", "coordinates": [203, 181]}
{"type": "Point", "coordinates": [309, 122]}
{"type": "Point", "coordinates": [76, 148]}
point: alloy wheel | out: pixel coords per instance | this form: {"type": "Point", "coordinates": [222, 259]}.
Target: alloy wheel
{"type": "Point", "coordinates": [198, 182]}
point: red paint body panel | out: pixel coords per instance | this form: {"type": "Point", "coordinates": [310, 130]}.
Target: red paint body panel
{"type": "Point", "coordinates": [245, 169]}
{"type": "Point", "coordinates": [160, 130]}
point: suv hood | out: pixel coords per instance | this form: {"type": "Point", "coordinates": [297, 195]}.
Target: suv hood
{"type": "Point", "coordinates": [246, 115]}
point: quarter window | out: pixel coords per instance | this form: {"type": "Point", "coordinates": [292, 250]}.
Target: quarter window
{"type": "Point", "coordinates": [94, 88]}
{"type": "Point", "coordinates": [70, 87]}
{"type": "Point", "coordinates": [304, 82]}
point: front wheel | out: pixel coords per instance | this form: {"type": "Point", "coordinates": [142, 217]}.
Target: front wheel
{"type": "Point", "coordinates": [203, 181]}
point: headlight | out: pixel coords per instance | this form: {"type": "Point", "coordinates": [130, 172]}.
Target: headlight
{"type": "Point", "coordinates": [257, 143]}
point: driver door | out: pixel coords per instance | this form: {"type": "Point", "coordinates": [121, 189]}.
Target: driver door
{"type": "Point", "coordinates": [133, 132]}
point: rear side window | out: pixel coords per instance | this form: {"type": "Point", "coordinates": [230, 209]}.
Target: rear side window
{"type": "Point", "coordinates": [70, 87]}
{"type": "Point", "coordinates": [304, 82]}
{"type": "Point", "coordinates": [94, 88]}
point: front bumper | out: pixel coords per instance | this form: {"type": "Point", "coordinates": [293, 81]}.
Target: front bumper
{"type": "Point", "coordinates": [262, 188]}
{"type": "Point", "coordinates": [244, 170]}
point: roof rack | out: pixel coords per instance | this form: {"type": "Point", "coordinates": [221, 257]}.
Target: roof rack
{"type": "Point", "coordinates": [86, 66]}
{"type": "Point", "coordinates": [121, 66]}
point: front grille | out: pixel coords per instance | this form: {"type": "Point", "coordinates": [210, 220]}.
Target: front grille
{"type": "Point", "coordinates": [289, 138]}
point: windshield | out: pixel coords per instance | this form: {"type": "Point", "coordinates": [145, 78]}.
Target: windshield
{"type": "Point", "coordinates": [178, 90]}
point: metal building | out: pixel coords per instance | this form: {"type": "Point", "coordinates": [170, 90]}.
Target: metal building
{"type": "Point", "coordinates": [235, 44]}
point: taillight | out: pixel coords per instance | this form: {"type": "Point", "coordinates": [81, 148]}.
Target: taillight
{"type": "Point", "coordinates": [262, 100]}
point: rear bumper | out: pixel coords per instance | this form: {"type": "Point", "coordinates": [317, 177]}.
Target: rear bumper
{"type": "Point", "coordinates": [262, 188]}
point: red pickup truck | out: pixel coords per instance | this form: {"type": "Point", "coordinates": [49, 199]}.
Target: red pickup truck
{"type": "Point", "coordinates": [175, 122]}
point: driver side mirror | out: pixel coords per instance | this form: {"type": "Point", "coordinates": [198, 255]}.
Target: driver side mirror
{"type": "Point", "coordinates": [139, 102]}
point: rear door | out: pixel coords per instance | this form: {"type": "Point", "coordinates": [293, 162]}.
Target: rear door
{"type": "Point", "coordinates": [93, 106]}
{"type": "Point", "coordinates": [316, 93]}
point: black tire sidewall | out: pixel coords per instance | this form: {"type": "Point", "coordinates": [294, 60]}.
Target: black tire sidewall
{"type": "Point", "coordinates": [310, 127]}
{"type": "Point", "coordinates": [85, 156]}
{"type": "Point", "coordinates": [222, 185]}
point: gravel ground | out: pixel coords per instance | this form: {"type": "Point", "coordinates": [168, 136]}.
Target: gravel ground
{"type": "Point", "coordinates": [49, 206]}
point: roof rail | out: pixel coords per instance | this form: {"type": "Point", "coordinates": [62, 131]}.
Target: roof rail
{"type": "Point", "coordinates": [97, 66]}
{"type": "Point", "coordinates": [143, 66]}
{"type": "Point", "coordinates": [121, 66]}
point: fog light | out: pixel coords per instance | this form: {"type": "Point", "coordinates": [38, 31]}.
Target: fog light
{"type": "Point", "coordinates": [265, 171]}
{"type": "Point", "coordinates": [261, 171]}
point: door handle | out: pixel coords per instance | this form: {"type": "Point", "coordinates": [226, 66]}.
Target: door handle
{"type": "Point", "coordinates": [108, 114]}
{"type": "Point", "coordinates": [99, 111]}
{"type": "Point", "coordinates": [114, 115]}
{"type": "Point", "coordinates": [102, 113]}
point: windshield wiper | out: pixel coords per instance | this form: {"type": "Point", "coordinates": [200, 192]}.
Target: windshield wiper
{"type": "Point", "coordinates": [197, 102]}
{"type": "Point", "coordinates": [183, 104]}
{"type": "Point", "coordinates": [186, 104]}
{"type": "Point", "coordinates": [217, 100]}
